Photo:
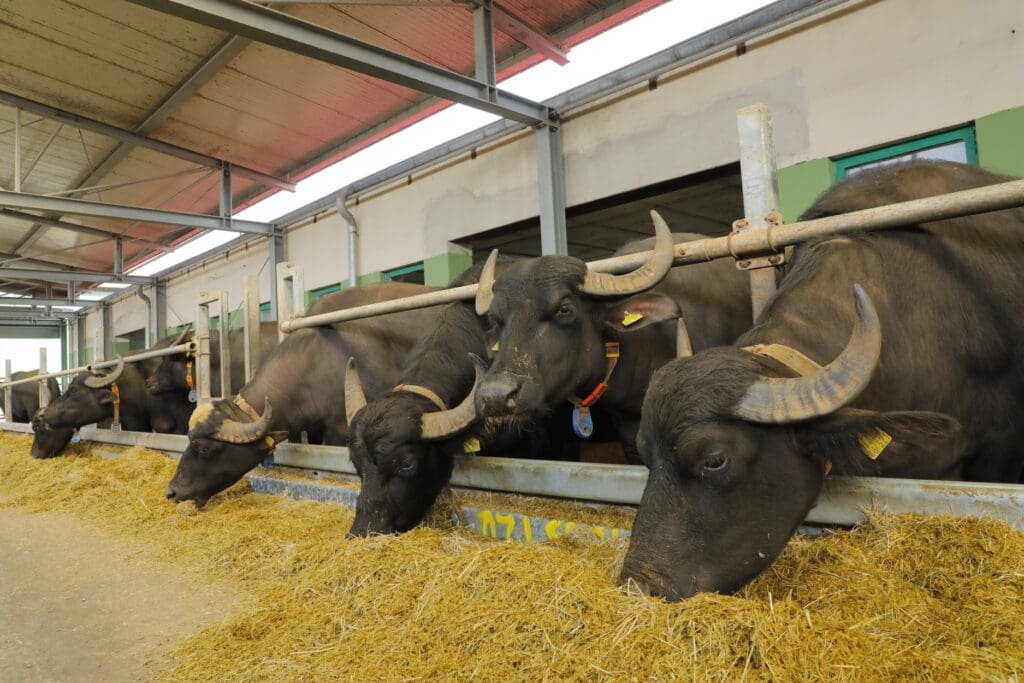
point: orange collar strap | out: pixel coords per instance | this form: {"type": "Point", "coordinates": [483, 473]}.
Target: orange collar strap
{"type": "Point", "coordinates": [189, 380]}
{"type": "Point", "coordinates": [271, 444]}
{"type": "Point", "coordinates": [116, 424]}
{"type": "Point", "coordinates": [611, 355]}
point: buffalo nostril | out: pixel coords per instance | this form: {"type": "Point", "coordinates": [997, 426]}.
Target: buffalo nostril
{"type": "Point", "coordinates": [171, 494]}
{"type": "Point", "coordinates": [513, 394]}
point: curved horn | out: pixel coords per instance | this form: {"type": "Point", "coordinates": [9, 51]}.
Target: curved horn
{"type": "Point", "coordinates": [780, 401]}
{"type": "Point", "coordinates": [98, 381]}
{"type": "Point", "coordinates": [355, 399]}
{"type": "Point", "coordinates": [184, 333]}
{"type": "Point", "coordinates": [445, 423]}
{"type": "Point", "coordinates": [232, 431]}
{"type": "Point", "coordinates": [485, 290]}
{"type": "Point", "coordinates": [644, 277]}
{"type": "Point", "coordinates": [684, 349]}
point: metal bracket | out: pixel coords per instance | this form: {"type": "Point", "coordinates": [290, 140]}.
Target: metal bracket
{"type": "Point", "coordinates": [770, 260]}
{"type": "Point", "coordinates": [291, 293]}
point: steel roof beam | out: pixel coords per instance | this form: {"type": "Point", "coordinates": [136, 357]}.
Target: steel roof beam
{"type": "Point", "coordinates": [509, 23]}
{"type": "Point", "coordinates": [316, 42]}
{"type": "Point", "coordinates": [135, 139]}
{"type": "Point", "coordinates": [33, 301]}
{"type": "Point", "coordinates": [72, 276]}
{"type": "Point", "coordinates": [74, 227]}
{"type": "Point", "coordinates": [82, 207]}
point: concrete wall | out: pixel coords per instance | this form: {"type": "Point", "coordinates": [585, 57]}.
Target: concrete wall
{"type": "Point", "coordinates": [870, 74]}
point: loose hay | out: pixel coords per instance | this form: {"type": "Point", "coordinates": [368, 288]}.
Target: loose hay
{"type": "Point", "coordinates": [899, 598]}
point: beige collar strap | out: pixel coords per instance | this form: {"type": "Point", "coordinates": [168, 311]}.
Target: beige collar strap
{"type": "Point", "coordinates": [788, 356]}
{"type": "Point", "coordinates": [424, 392]}
{"type": "Point", "coordinates": [246, 407]}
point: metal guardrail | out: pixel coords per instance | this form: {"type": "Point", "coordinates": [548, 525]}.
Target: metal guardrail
{"type": "Point", "coordinates": [739, 245]}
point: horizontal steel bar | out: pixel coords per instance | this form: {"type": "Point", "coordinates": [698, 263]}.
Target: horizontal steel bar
{"type": "Point", "coordinates": [33, 301]}
{"type": "Point", "coordinates": [145, 355]}
{"type": "Point", "coordinates": [300, 37]}
{"type": "Point", "coordinates": [82, 207]}
{"type": "Point", "coordinates": [73, 276]}
{"type": "Point", "coordinates": [772, 240]}
{"type": "Point", "coordinates": [83, 229]}
{"type": "Point", "coordinates": [123, 135]}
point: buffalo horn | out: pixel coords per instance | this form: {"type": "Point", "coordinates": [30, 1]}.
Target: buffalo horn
{"type": "Point", "coordinates": [445, 423]}
{"type": "Point", "coordinates": [180, 339]}
{"type": "Point", "coordinates": [98, 381]}
{"type": "Point", "coordinates": [644, 277]}
{"type": "Point", "coordinates": [232, 431]}
{"type": "Point", "coordinates": [684, 349]}
{"type": "Point", "coordinates": [485, 290]}
{"type": "Point", "coordinates": [355, 399]}
{"type": "Point", "coordinates": [779, 401]}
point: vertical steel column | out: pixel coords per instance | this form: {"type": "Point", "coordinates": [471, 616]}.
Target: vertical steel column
{"type": "Point", "coordinates": [204, 386]}
{"type": "Point", "coordinates": [551, 185]}
{"type": "Point", "coordinates": [291, 293]}
{"type": "Point", "coordinates": [7, 392]}
{"type": "Point", "coordinates": [760, 198]}
{"type": "Point", "coordinates": [80, 343]}
{"type": "Point", "coordinates": [17, 149]}
{"type": "Point", "coordinates": [118, 257]}
{"type": "Point", "coordinates": [277, 255]}
{"type": "Point", "coordinates": [158, 314]}
{"type": "Point", "coordinates": [225, 191]}
{"type": "Point", "coordinates": [108, 331]}
{"type": "Point", "coordinates": [44, 395]}
{"type": "Point", "coordinates": [483, 42]}
{"type": "Point", "coordinates": [253, 350]}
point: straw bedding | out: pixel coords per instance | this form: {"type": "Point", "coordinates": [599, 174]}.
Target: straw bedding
{"type": "Point", "coordinates": [899, 598]}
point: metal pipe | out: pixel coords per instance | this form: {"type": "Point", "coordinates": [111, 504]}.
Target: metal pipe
{"type": "Point", "coordinates": [770, 241]}
{"type": "Point", "coordinates": [353, 236]}
{"type": "Point", "coordinates": [150, 332]}
{"type": "Point", "coordinates": [17, 149]}
{"type": "Point", "coordinates": [155, 353]}
{"type": "Point", "coordinates": [253, 340]}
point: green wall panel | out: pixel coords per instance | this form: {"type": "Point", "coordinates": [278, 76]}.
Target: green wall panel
{"type": "Point", "coordinates": [1001, 141]}
{"type": "Point", "coordinates": [439, 271]}
{"type": "Point", "coordinates": [800, 185]}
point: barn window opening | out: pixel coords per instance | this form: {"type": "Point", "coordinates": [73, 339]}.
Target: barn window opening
{"type": "Point", "coordinates": [959, 144]}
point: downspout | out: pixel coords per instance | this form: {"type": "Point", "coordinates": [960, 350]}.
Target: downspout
{"type": "Point", "coordinates": [149, 315]}
{"type": "Point", "coordinates": [353, 234]}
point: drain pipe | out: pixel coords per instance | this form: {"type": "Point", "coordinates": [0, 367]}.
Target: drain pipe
{"type": "Point", "coordinates": [149, 315]}
{"type": "Point", "coordinates": [353, 233]}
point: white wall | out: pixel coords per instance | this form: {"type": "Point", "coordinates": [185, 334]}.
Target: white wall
{"type": "Point", "coordinates": [868, 75]}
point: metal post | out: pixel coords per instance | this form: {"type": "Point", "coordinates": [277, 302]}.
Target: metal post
{"type": "Point", "coordinates": [44, 395]}
{"type": "Point", "coordinates": [760, 198]}
{"type": "Point", "coordinates": [483, 41]}
{"type": "Point", "coordinates": [551, 184]}
{"type": "Point", "coordinates": [225, 191]}
{"type": "Point", "coordinates": [276, 246]}
{"type": "Point", "coordinates": [158, 319]}
{"type": "Point", "coordinates": [290, 293]}
{"type": "Point", "coordinates": [17, 151]}
{"type": "Point", "coordinates": [108, 331]}
{"type": "Point", "coordinates": [118, 257]}
{"type": "Point", "coordinates": [80, 343]}
{"type": "Point", "coordinates": [97, 344]}
{"type": "Point", "coordinates": [253, 350]}
{"type": "Point", "coordinates": [7, 392]}
{"type": "Point", "coordinates": [202, 339]}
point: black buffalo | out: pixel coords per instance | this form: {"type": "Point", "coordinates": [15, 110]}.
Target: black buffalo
{"type": "Point", "coordinates": [551, 320]}
{"type": "Point", "coordinates": [403, 443]}
{"type": "Point", "coordinates": [25, 397]}
{"type": "Point", "coordinates": [299, 387]}
{"type": "Point", "coordinates": [929, 384]}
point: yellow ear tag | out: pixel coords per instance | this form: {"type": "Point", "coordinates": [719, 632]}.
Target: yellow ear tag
{"type": "Point", "coordinates": [631, 318]}
{"type": "Point", "coordinates": [471, 445]}
{"type": "Point", "coordinates": [874, 442]}
{"type": "Point", "coordinates": [495, 347]}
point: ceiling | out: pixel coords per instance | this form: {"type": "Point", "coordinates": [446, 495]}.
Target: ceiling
{"type": "Point", "coordinates": [252, 105]}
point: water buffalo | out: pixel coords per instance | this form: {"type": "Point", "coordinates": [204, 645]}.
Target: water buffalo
{"type": "Point", "coordinates": [25, 397]}
{"type": "Point", "coordinates": [553, 324]}
{"type": "Point", "coordinates": [739, 439]}
{"type": "Point", "coordinates": [403, 443]}
{"type": "Point", "coordinates": [171, 373]}
{"type": "Point", "coordinates": [299, 387]}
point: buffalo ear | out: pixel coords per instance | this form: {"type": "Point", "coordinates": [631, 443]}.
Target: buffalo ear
{"type": "Point", "coordinates": [639, 311]}
{"type": "Point", "coordinates": [910, 444]}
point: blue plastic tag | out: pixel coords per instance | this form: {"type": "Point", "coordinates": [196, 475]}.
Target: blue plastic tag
{"type": "Point", "coordinates": [192, 396]}
{"type": "Point", "coordinates": [582, 422]}
{"type": "Point", "coordinates": [76, 437]}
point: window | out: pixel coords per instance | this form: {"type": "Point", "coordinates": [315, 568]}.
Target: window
{"type": "Point", "coordinates": [413, 274]}
{"type": "Point", "coordinates": [953, 145]}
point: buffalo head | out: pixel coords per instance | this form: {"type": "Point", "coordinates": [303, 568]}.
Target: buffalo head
{"type": "Point", "coordinates": [402, 449]}
{"type": "Point", "coordinates": [48, 442]}
{"type": "Point", "coordinates": [224, 442]}
{"type": "Point", "coordinates": [738, 459]}
{"type": "Point", "coordinates": [89, 398]}
{"type": "Point", "coordinates": [550, 317]}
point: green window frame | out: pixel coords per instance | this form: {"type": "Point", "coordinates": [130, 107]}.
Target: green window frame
{"type": "Point", "coordinates": [963, 134]}
{"type": "Point", "coordinates": [390, 275]}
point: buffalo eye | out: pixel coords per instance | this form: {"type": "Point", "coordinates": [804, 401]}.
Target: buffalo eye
{"type": "Point", "coordinates": [714, 462]}
{"type": "Point", "coordinates": [566, 313]}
